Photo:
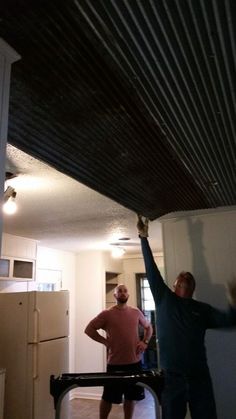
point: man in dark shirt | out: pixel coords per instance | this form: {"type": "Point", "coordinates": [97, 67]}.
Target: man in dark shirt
{"type": "Point", "coordinates": [181, 327]}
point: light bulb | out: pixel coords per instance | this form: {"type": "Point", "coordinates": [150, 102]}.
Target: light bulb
{"type": "Point", "coordinates": [117, 252]}
{"type": "Point", "coordinates": [10, 207]}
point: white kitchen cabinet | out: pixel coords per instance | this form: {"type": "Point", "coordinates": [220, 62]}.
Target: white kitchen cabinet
{"type": "Point", "coordinates": [18, 258]}
{"type": "Point", "coordinates": [17, 269]}
{"type": "Point", "coordinates": [18, 247]}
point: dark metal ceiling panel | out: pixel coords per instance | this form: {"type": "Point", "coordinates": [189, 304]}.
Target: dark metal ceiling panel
{"type": "Point", "coordinates": [134, 98]}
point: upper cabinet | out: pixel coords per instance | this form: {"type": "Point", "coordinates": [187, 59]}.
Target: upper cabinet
{"type": "Point", "coordinates": [18, 258]}
{"type": "Point", "coordinates": [19, 247]}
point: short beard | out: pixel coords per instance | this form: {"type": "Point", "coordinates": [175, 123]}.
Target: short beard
{"type": "Point", "coordinates": [122, 300]}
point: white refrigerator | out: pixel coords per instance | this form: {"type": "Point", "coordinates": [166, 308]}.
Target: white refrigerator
{"type": "Point", "coordinates": [34, 328]}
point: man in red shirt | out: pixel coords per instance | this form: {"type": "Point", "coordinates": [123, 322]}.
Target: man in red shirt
{"type": "Point", "coordinates": [124, 348]}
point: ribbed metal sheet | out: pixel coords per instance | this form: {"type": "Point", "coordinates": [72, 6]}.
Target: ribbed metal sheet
{"type": "Point", "coordinates": [134, 98]}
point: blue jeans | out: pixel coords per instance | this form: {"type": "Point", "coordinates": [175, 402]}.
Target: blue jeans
{"type": "Point", "coordinates": [181, 390]}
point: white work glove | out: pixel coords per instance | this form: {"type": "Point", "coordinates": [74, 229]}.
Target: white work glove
{"type": "Point", "coordinates": [142, 226]}
{"type": "Point", "coordinates": [231, 292]}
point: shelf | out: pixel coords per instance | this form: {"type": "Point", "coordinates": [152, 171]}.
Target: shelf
{"type": "Point", "coordinates": [14, 269]}
{"type": "Point", "coordinates": [22, 269]}
{"type": "Point", "coordinates": [111, 286]}
{"type": "Point", "coordinates": [111, 283]}
{"type": "Point", "coordinates": [4, 268]}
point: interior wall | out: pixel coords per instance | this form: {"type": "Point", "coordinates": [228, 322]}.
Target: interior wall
{"type": "Point", "coordinates": [53, 259]}
{"type": "Point", "coordinates": [205, 244]}
{"type": "Point", "coordinates": [90, 300]}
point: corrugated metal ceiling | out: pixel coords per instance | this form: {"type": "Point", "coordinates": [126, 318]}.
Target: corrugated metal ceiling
{"type": "Point", "coordinates": [134, 98]}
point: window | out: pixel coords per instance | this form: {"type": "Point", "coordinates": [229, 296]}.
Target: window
{"type": "Point", "coordinates": [147, 301]}
{"type": "Point", "coordinates": [4, 268]}
{"type": "Point", "coordinates": [42, 286]}
{"type": "Point", "coordinates": [48, 279]}
{"type": "Point", "coordinates": [146, 304]}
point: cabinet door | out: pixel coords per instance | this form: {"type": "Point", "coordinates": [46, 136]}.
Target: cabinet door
{"type": "Point", "coordinates": [23, 269]}
{"type": "Point", "coordinates": [18, 247]}
{"type": "Point", "coordinates": [17, 269]}
{"type": "Point", "coordinates": [4, 268]}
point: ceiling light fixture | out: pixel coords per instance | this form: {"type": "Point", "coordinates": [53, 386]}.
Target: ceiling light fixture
{"type": "Point", "coordinates": [117, 252]}
{"type": "Point", "coordinates": [9, 206]}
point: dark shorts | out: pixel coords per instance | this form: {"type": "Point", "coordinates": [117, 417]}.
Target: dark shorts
{"type": "Point", "coordinates": [114, 394]}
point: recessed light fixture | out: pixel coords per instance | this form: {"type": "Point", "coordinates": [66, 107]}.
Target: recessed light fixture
{"type": "Point", "coordinates": [117, 252]}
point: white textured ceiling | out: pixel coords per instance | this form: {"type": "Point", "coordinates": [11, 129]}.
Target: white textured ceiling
{"type": "Point", "coordinates": [64, 214]}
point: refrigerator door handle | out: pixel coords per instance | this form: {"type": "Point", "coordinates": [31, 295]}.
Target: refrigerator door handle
{"type": "Point", "coordinates": [35, 361]}
{"type": "Point", "coordinates": [36, 325]}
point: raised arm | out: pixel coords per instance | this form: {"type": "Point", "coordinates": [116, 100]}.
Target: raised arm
{"type": "Point", "coordinates": [156, 282]}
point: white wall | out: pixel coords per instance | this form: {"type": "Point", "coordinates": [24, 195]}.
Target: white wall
{"type": "Point", "coordinates": [90, 300]}
{"type": "Point", "coordinates": [205, 244]}
{"type": "Point", "coordinates": [48, 258]}
{"type": "Point", "coordinates": [90, 285]}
